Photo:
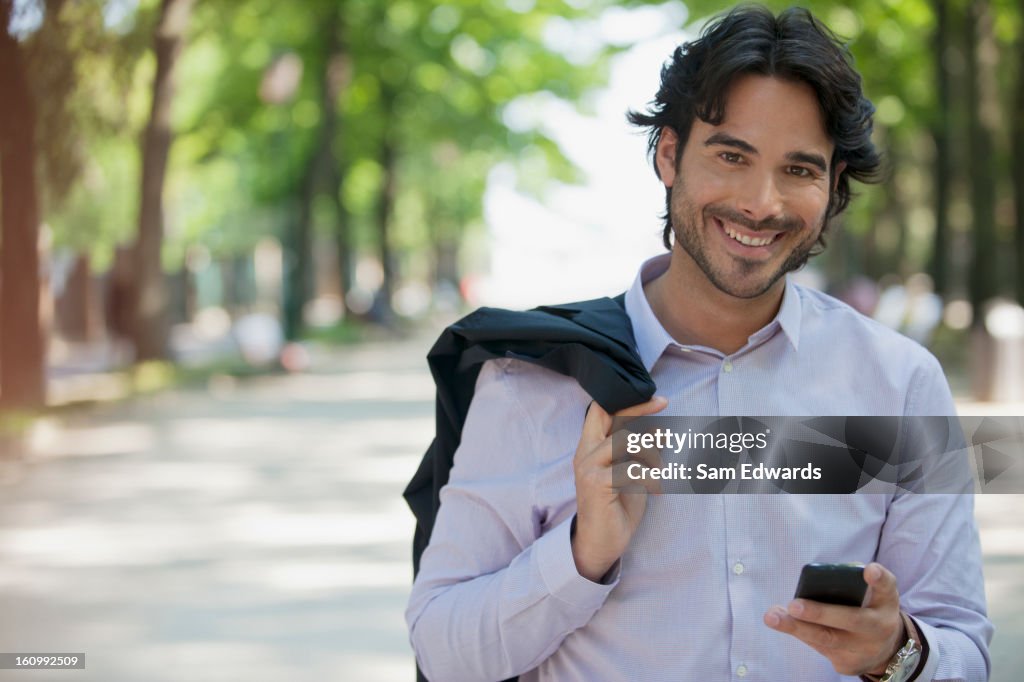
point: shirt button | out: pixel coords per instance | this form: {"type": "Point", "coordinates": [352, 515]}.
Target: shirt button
{"type": "Point", "coordinates": [727, 366]}
{"type": "Point", "coordinates": [741, 671]}
{"type": "Point", "coordinates": [737, 568]}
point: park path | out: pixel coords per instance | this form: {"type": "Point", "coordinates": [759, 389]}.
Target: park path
{"type": "Point", "coordinates": [255, 531]}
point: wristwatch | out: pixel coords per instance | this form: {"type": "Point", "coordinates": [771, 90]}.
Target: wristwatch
{"type": "Point", "coordinates": [904, 663]}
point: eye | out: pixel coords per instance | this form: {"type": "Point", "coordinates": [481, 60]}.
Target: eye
{"type": "Point", "coordinates": [730, 157]}
{"type": "Point", "coordinates": [800, 172]}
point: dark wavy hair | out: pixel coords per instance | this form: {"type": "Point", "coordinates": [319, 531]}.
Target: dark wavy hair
{"type": "Point", "coordinates": [749, 39]}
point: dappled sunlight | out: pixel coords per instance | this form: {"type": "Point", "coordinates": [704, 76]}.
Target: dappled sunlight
{"type": "Point", "coordinates": [245, 533]}
{"type": "Point", "coordinates": [999, 524]}
{"type": "Point", "coordinates": [262, 525]}
{"type": "Point", "coordinates": [358, 385]}
{"type": "Point", "coordinates": [1002, 541]}
{"type": "Point", "coordinates": [311, 576]}
{"type": "Point", "coordinates": [48, 439]}
{"type": "Point", "coordinates": [105, 543]}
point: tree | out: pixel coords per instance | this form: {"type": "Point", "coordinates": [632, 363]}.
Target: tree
{"type": "Point", "coordinates": [983, 118]}
{"type": "Point", "coordinates": [942, 132]}
{"type": "Point", "coordinates": [151, 325]}
{"type": "Point", "coordinates": [22, 345]}
{"type": "Point", "coordinates": [1018, 168]}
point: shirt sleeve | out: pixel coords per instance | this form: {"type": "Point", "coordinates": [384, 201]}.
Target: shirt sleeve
{"type": "Point", "coordinates": [930, 542]}
{"type": "Point", "coordinates": [497, 591]}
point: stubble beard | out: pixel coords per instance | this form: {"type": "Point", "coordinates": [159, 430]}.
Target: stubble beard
{"type": "Point", "coordinates": [744, 281]}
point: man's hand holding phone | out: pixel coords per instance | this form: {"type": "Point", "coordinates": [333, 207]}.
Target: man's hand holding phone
{"type": "Point", "coordinates": [856, 640]}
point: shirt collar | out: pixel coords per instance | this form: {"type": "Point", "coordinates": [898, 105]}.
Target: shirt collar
{"type": "Point", "coordinates": [651, 337]}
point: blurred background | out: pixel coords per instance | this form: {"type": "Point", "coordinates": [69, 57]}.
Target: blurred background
{"type": "Point", "coordinates": [231, 229]}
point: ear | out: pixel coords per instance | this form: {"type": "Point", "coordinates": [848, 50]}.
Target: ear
{"type": "Point", "coordinates": [840, 167]}
{"type": "Point", "coordinates": [665, 155]}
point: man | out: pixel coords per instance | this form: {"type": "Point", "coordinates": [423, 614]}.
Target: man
{"type": "Point", "coordinates": [539, 567]}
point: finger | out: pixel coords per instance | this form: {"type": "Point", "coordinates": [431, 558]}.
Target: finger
{"type": "Point", "coordinates": [820, 637]}
{"type": "Point", "coordinates": [625, 449]}
{"type": "Point", "coordinates": [596, 424]}
{"type": "Point", "coordinates": [882, 589]}
{"type": "Point", "coordinates": [631, 419]}
{"type": "Point", "coordinates": [611, 451]}
{"type": "Point", "coordinates": [634, 477]}
{"type": "Point", "coordinates": [624, 417]}
{"type": "Point", "coordinates": [649, 457]}
{"type": "Point", "coordinates": [848, 618]}
{"type": "Point", "coordinates": [655, 404]}
{"type": "Point", "coordinates": [591, 456]}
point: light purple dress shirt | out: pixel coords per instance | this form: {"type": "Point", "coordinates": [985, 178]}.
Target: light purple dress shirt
{"type": "Point", "coordinates": [498, 593]}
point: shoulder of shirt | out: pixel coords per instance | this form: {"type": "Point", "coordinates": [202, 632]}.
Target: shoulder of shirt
{"type": "Point", "coordinates": [522, 374]}
{"type": "Point", "coordinates": [862, 333]}
{"type": "Point", "coordinates": [531, 385]}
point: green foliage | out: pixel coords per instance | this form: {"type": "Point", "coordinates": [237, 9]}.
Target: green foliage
{"type": "Point", "coordinates": [435, 79]}
{"type": "Point", "coordinates": [433, 76]}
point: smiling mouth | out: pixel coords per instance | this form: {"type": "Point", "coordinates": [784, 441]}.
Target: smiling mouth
{"type": "Point", "coordinates": [746, 239]}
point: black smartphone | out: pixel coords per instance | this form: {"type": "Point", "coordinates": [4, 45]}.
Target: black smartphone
{"type": "Point", "coordinates": [833, 584]}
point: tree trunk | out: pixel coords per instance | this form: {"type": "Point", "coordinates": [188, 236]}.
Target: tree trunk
{"type": "Point", "coordinates": [336, 78]}
{"type": "Point", "coordinates": [151, 322]}
{"type": "Point", "coordinates": [941, 134]}
{"type": "Point", "coordinates": [983, 105]}
{"type": "Point", "coordinates": [336, 186]}
{"type": "Point", "coordinates": [1018, 170]}
{"type": "Point", "coordinates": [322, 171]}
{"type": "Point", "coordinates": [298, 252]}
{"type": "Point", "coordinates": [342, 237]}
{"type": "Point", "coordinates": [75, 308]}
{"type": "Point", "coordinates": [22, 340]}
{"type": "Point", "coordinates": [385, 206]}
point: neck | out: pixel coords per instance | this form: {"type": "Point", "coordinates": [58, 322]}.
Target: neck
{"type": "Point", "coordinates": [696, 312]}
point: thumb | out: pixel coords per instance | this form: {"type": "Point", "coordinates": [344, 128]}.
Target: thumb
{"type": "Point", "coordinates": [882, 584]}
{"type": "Point", "coordinates": [655, 404]}
{"type": "Point", "coordinates": [596, 424]}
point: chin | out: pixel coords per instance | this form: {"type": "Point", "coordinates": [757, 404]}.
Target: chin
{"type": "Point", "coordinates": [747, 291]}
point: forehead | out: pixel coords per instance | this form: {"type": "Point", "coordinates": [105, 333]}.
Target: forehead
{"type": "Point", "coordinates": [774, 115]}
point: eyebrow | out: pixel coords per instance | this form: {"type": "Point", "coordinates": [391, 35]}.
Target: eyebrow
{"type": "Point", "coordinates": [726, 140]}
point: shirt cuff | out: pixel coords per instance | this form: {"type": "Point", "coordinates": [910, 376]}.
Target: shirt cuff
{"type": "Point", "coordinates": [929, 655]}
{"type": "Point", "coordinates": [924, 670]}
{"type": "Point", "coordinates": [553, 552]}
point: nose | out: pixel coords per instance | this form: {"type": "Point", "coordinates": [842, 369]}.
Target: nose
{"type": "Point", "coordinates": [760, 198]}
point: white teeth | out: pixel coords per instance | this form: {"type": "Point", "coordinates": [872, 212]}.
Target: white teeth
{"type": "Point", "coordinates": [749, 241]}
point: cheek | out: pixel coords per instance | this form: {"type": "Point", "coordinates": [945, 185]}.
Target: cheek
{"type": "Point", "coordinates": [809, 203]}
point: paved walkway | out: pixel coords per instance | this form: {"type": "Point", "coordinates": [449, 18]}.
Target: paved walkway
{"type": "Point", "coordinates": [256, 531]}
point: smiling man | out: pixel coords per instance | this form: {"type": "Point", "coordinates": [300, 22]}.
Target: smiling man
{"type": "Point", "coordinates": [538, 566]}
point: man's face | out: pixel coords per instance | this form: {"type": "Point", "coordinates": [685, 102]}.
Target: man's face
{"type": "Point", "coordinates": [750, 195]}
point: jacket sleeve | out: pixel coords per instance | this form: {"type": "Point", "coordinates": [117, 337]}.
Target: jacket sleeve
{"type": "Point", "coordinates": [497, 590]}
{"type": "Point", "coordinates": [930, 542]}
